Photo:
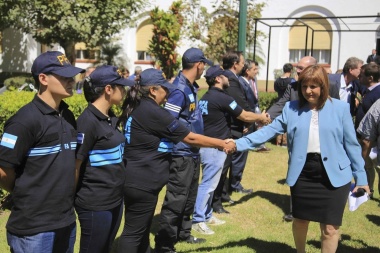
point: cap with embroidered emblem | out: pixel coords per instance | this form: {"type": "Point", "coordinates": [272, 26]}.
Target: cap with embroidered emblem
{"type": "Point", "coordinates": [193, 54]}
{"type": "Point", "coordinates": [107, 74]}
{"type": "Point", "coordinates": [54, 62]}
{"type": "Point", "coordinates": [154, 77]}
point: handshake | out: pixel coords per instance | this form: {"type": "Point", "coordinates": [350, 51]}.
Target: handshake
{"type": "Point", "coordinates": [229, 146]}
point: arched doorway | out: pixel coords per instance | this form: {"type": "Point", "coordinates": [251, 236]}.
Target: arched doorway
{"type": "Point", "coordinates": [303, 41]}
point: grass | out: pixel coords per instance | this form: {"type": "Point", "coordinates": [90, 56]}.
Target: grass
{"type": "Point", "coordinates": [255, 223]}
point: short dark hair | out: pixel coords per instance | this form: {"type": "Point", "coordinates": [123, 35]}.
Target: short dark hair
{"type": "Point", "coordinates": [211, 81]}
{"type": "Point", "coordinates": [372, 69]}
{"type": "Point", "coordinates": [230, 58]}
{"type": "Point", "coordinates": [187, 65]}
{"type": "Point", "coordinates": [287, 68]}
{"type": "Point", "coordinates": [317, 75]}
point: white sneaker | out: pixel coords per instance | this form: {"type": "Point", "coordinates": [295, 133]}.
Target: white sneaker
{"type": "Point", "coordinates": [202, 228]}
{"type": "Point", "coordinates": [215, 221]}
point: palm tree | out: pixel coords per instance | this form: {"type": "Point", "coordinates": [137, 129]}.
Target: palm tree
{"type": "Point", "coordinates": [110, 52]}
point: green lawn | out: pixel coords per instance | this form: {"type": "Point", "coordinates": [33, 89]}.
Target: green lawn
{"type": "Point", "coordinates": [255, 223]}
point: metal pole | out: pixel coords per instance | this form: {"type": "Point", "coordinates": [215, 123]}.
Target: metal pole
{"type": "Point", "coordinates": [307, 35]}
{"type": "Point", "coordinates": [266, 85]}
{"type": "Point", "coordinates": [254, 41]}
{"type": "Point", "coordinates": [312, 43]}
{"type": "Point", "coordinates": [242, 26]}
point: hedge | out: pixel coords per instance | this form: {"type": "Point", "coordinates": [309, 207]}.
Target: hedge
{"type": "Point", "coordinates": [12, 101]}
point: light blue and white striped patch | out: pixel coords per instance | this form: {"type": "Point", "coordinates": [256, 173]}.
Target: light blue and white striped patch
{"type": "Point", "coordinates": [165, 146]}
{"type": "Point", "coordinates": [80, 138]}
{"type": "Point", "coordinates": [44, 151]}
{"type": "Point", "coordinates": [73, 145]}
{"type": "Point", "coordinates": [8, 140]}
{"type": "Point", "coordinates": [233, 105]}
{"type": "Point", "coordinates": [191, 97]}
{"type": "Point", "coordinates": [107, 156]}
{"type": "Point", "coordinates": [127, 129]}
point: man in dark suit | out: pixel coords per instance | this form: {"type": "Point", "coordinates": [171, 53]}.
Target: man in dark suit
{"type": "Point", "coordinates": [373, 57]}
{"type": "Point", "coordinates": [348, 83]}
{"type": "Point", "coordinates": [291, 92]}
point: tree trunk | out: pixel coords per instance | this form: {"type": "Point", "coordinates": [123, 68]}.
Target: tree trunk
{"type": "Point", "coordinates": [69, 47]}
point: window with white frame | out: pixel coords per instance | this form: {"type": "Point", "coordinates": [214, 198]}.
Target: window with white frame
{"type": "Point", "coordinates": [322, 55]}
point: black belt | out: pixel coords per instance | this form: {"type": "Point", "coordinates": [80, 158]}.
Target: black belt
{"type": "Point", "coordinates": [313, 154]}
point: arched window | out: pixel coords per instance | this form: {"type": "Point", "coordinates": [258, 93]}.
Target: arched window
{"type": "Point", "coordinates": [321, 43]}
{"type": "Point", "coordinates": [143, 35]}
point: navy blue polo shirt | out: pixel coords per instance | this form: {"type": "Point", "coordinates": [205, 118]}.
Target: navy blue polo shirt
{"type": "Point", "coordinates": [217, 107]}
{"type": "Point", "coordinates": [102, 174]}
{"type": "Point", "coordinates": [39, 144]}
{"type": "Point", "coordinates": [150, 132]}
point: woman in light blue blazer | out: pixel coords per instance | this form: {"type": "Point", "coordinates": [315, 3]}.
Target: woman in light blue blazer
{"type": "Point", "coordinates": [324, 155]}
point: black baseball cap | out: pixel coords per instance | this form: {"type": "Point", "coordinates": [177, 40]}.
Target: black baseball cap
{"type": "Point", "coordinates": [154, 77]}
{"type": "Point", "coordinates": [108, 74]}
{"type": "Point", "coordinates": [214, 71]}
{"type": "Point", "coordinates": [54, 62]}
{"type": "Point", "coordinates": [193, 54]}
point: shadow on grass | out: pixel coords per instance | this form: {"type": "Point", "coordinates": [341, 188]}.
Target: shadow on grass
{"type": "Point", "coordinates": [375, 219]}
{"type": "Point", "coordinates": [282, 201]}
{"type": "Point", "coordinates": [343, 248]}
{"type": "Point", "coordinates": [281, 181]}
{"type": "Point", "coordinates": [256, 244]}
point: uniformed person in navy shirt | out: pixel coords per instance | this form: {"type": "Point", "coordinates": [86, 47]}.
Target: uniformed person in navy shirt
{"type": "Point", "coordinates": [100, 166]}
{"type": "Point", "coordinates": [37, 162]}
{"type": "Point", "coordinates": [175, 218]}
{"type": "Point", "coordinates": [217, 107]}
{"type": "Point", "coordinates": [150, 133]}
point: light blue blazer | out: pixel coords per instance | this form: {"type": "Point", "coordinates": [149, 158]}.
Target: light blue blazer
{"type": "Point", "coordinates": [340, 150]}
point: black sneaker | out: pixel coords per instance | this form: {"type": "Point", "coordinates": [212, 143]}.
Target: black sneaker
{"type": "Point", "coordinates": [194, 240]}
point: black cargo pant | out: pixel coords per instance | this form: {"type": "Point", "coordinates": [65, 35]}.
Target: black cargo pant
{"type": "Point", "coordinates": [181, 193]}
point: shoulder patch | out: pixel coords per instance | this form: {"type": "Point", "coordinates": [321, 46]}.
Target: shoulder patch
{"type": "Point", "coordinates": [80, 138]}
{"type": "Point", "coordinates": [173, 126]}
{"type": "Point", "coordinates": [233, 105]}
{"type": "Point", "coordinates": [8, 140]}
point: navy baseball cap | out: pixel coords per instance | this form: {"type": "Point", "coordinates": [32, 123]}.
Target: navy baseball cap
{"type": "Point", "coordinates": [154, 77]}
{"type": "Point", "coordinates": [107, 74]}
{"type": "Point", "coordinates": [54, 62]}
{"type": "Point", "coordinates": [193, 54]}
{"type": "Point", "coordinates": [214, 71]}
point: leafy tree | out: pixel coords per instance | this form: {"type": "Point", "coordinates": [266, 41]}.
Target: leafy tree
{"type": "Point", "coordinates": [71, 21]}
{"type": "Point", "coordinates": [166, 34]}
{"type": "Point", "coordinates": [221, 27]}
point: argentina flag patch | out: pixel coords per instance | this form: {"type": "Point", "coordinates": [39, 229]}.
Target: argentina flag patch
{"type": "Point", "coordinates": [191, 97]}
{"type": "Point", "coordinates": [233, 105]}
{"type": "Point", "coordinates": [80, 138]}
{"type": "Point", "coordinates": [8, 140]}
{"type": "Point", "coordinates": [173, 126]}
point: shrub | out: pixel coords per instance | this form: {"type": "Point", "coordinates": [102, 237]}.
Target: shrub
{"type": "Point", "coordinates": [14, 83]}
{"type": "Point", "coordinates": [12, 101]}
{"type": "Point", "coordinates": [267, 99]}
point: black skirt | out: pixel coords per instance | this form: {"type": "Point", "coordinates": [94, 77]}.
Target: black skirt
{"type": "Point", "coordinates": [313, 196]}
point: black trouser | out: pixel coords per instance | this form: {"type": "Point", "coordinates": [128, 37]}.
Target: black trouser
{"type": "Point", "coordinates": [139, 210]}
{"type": "Point", "coordinates": [238, 161]}
{"type": "Point", "coordinates": [181, 193]}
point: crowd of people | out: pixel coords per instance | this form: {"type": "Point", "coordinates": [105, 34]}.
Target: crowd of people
{"type": "Point", "coordinates": [94, 167]}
